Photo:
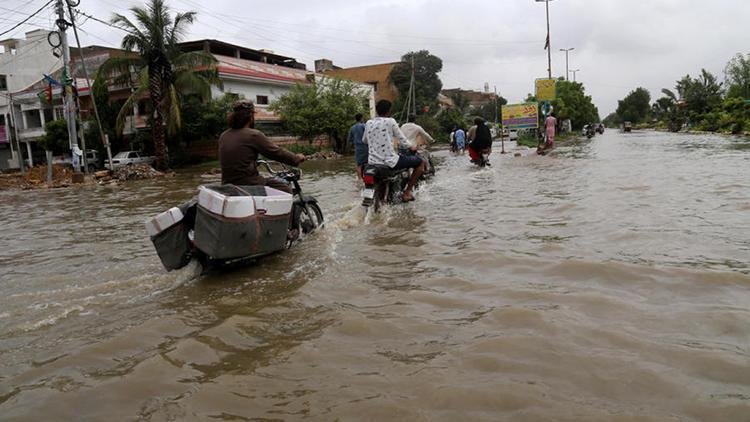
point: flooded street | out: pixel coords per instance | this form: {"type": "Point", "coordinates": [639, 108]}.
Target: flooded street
{"type": "Point", "coordinates": [609, 281]}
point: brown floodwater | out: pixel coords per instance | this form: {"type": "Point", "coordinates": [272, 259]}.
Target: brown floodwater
{"type": "Point", "coordinates": [609, 281]}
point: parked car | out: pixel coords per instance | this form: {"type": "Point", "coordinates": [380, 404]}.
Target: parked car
{"type": "Point", "coordinates": [129, 158]}
{"type": "Point", "coordinates": [92, 160]}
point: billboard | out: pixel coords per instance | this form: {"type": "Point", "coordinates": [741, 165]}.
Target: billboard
{"type": "Point", "coordinates": [545, 89]}
{"type": "Point", "coordinates": [521, 116]}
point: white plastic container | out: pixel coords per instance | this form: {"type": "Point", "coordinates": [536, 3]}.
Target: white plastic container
{"type": "Point", "coordinates": [275, 202]}
{"type": "Point", "coordinates": [272, 202]}
{"type": "Point", "coordinates": [163, 221]}
{"type": "Point", "coordinates": [224, 205]}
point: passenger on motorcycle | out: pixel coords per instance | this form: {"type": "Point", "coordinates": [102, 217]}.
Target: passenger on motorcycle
{"type": "Point", "coordinates": [481, 141]}
{"type": "Point", "coordinates": [240, 146]}
{"type": "Point", "coordinates": [379, 135]}
{"type": "Point", "coordinates": [415, 133]}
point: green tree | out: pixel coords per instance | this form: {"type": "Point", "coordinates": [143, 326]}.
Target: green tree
{"type": "Point", "coordinates": [635, 107]}
{"type": "Point", "coordinates": [702, 94]}
{"type": "Point", "coordinates": [427, 84]}
{"type": "Point", "coordinates": [460, 101]}
{"type": "Point", "coordinates": [573, 103]}
{"type": "Point", "coordinates": [205, 119]}
{"type": "Point", "coordinates": [612, 120]}
{"type": "Point", "coordinates": [450, 119]}
{"type": "Point", "coordinates": [163, 71]}
{"type": "Point", "coordinates": [487, 111]}
{"type": "Point", "coordinates": [55, 137]}
{"type": "Point", "coordinates": [325, 107]}
{"type": "Point", "coordinates": [737, 76]}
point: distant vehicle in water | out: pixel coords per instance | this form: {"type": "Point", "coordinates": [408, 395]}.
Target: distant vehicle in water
{"type": "Point", "coordinates": [600, 129]}
{"type": "Point", "coordinates": [129, 158]}
{"type": "Point", "coordinates": [627, 126]}
{"type": "Point", "coordinates": [588, 131]}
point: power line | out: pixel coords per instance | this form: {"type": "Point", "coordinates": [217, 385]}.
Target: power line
{"type": "Point", "coordinates": [94, 18]}
{"type": "Point", "coordinates": [27, 18]}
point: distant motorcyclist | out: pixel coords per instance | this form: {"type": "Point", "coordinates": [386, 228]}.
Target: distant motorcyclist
{"type": "Point", "coordinates": [482, 141]}
{"type": "Point", "coordinates": [240, 146]}
{"type": "Point", "coordinates": [379, 135]}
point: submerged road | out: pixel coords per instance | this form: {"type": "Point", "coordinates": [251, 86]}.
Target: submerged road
{"type": "Point", "coordinates": [608, 281]}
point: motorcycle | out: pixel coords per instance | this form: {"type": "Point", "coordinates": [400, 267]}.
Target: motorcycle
{"type": "Point", "coordinates": [306, 216]}
{"type": "Point", "coordinates": [228, 241]}
{"type": "Point", "coordinates": [483, 158]}
{"type": "Point", "coordinates": [383, 185]}
{"type": "Point", "coordinates": [588, 131]}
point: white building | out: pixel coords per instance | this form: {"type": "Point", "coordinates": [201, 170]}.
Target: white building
{"type": "Point", "coordinates": [22, 63]}
{"type": "Point", "coordinates": [259, 75]}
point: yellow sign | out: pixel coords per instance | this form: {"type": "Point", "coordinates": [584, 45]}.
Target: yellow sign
{"type": "Point", "coordinates": [520, 116]}
{"type": "Point", "coordinates": [545, 89]}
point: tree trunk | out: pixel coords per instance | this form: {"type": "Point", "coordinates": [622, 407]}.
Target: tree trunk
{"type": "Point", "coordinates": [157, 129]}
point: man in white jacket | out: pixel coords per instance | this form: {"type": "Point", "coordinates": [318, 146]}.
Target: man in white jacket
{"type": "Point", "coordinates": [415, 133]}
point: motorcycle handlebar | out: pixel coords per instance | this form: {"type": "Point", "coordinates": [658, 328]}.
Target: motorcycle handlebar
{"type": "Point", "coordinates": [284, 169]}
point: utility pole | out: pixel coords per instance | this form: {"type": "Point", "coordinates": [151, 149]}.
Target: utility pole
{"type": "Point", "coordinates": [14, 134]}
{"type": "Point", "coordinates": [69, 104]}
{"type": "Point", "coordinates": [567, 72]}
{"type": "Point", "coordinates": [549, 41]}
{"type": "Point", "coordinates": [495, 106]}
{"type": "Point", "coordinates": [574, 73]}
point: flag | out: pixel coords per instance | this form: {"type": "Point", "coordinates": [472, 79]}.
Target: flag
{"type": "Point", "coordinates": [50, 80]}
{"type": "Point", "coordinates": [546, 44]}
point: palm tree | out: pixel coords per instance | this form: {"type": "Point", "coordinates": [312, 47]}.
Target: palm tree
{"type": "Point", "coordinates": [163, 71]}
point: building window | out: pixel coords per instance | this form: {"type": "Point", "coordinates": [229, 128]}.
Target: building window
{"type": "Point", "coordinates": [261, 99]}
{"type": "Point", "coordinates": [3, 83]}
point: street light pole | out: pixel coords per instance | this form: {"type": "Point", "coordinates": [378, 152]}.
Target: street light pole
{"type": "Point", "coordinates": [574, 73]}
{"type": "Point", "coordinates": [549, 41]}
{"type": "Point", "coordinates": [567, 72]}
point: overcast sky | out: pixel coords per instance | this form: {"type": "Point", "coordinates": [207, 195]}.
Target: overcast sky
{"type": "Point", "coordinates": [619, 44]}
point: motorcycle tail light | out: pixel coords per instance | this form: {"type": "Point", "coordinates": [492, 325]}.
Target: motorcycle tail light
{"type": "Point", "coordinates": [368, 179]}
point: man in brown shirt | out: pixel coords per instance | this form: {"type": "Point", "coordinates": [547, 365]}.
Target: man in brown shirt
{"type": "Point", "coordinates": [241, 145]}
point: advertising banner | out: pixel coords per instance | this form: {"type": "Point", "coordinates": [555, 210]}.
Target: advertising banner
{"type": "Point", "coordinates": [521, 116]}
{"type": "Point", "coordinates": [545, 89]}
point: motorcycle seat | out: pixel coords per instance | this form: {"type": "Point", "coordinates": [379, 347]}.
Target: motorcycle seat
{"type": "Point", "coordinates": [382, 172]}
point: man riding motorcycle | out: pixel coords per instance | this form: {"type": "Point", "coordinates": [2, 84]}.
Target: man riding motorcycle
{"type": "Point", "coordinates": [379, 134]}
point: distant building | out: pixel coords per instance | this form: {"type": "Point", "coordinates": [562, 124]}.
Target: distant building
{"type": "Point", "coordinates": [476, 99]}
{"type": "Point", "coordinates": [377, 75]}
{"type": "Point", "coordinates": [22, 62]}
{"type": "Point", "coordinates": [258, 75]}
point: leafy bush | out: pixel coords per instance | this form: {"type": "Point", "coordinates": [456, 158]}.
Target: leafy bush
{"type": "Point", "coordinates": [451, 119]}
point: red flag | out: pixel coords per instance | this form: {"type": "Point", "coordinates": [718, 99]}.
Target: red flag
{"type": "Point", "coordinates": [546, 44]}
{"type": "Point", "coordinates": [49, 93]}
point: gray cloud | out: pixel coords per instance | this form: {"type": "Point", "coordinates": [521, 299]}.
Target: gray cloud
{"type": "Point", "coordinates": [619, 44]}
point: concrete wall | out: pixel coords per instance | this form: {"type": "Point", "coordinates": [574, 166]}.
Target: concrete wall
{"type": "Point", "coordinates": [251, 90]}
